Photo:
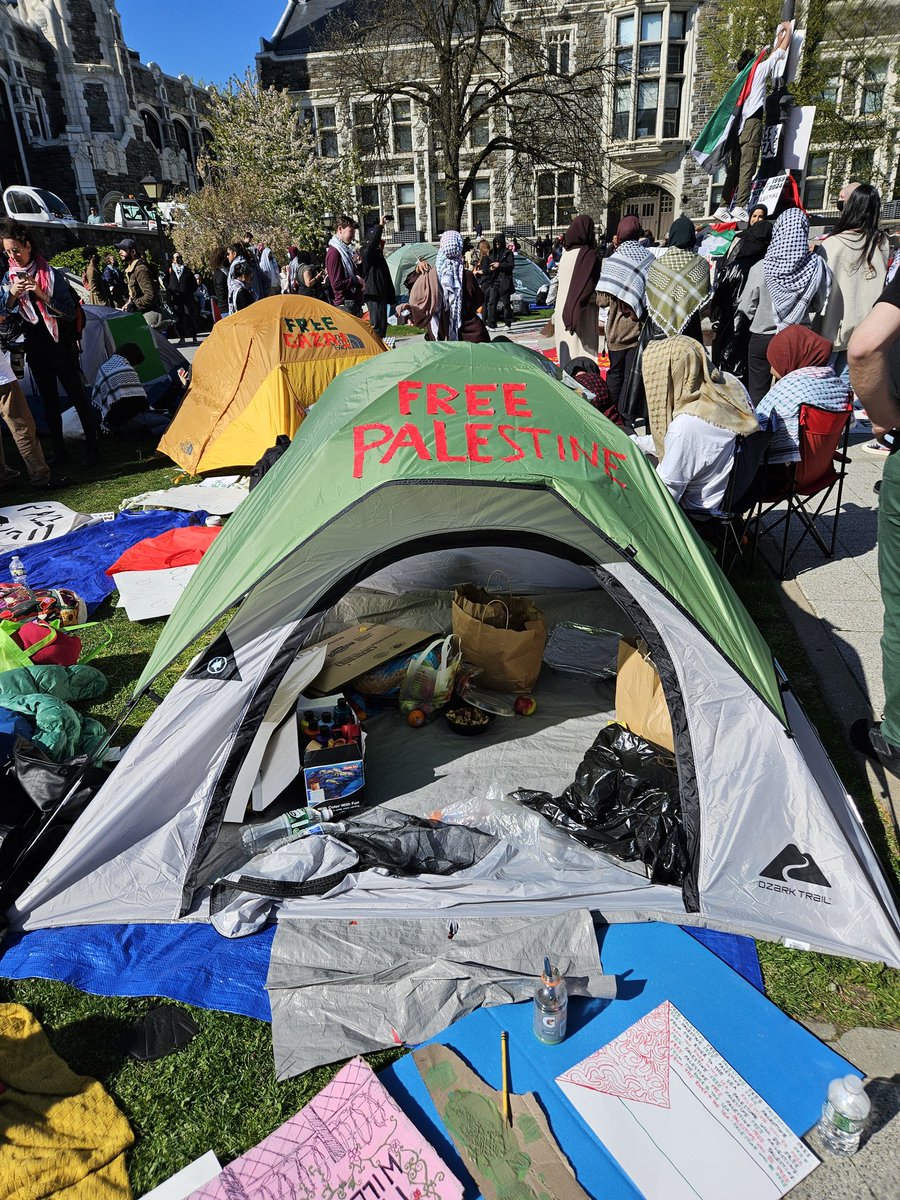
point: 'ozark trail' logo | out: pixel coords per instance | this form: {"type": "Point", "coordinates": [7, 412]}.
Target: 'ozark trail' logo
{"type": "Point", "coordinates": [791, 868]}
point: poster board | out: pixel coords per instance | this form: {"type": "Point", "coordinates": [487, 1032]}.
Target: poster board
{"type": "Point", "coordinates": [133, 328]}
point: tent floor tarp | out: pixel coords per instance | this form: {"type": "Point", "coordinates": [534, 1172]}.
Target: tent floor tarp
{"type": "Point", "coordinates": [190, 962]}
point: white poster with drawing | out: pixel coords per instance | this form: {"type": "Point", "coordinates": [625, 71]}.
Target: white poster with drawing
{"type": "Point", "coordinates": [148, 594]}
{"type": "Point", "coordinates": [41, 521]}
{"type": "Point", "coordinates": [679, 1120]}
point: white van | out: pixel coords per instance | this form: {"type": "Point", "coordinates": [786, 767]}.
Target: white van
{"type": "Point", "coordinates": [134, 214]}
{"type": "Point", "coordinates": [25, 203]}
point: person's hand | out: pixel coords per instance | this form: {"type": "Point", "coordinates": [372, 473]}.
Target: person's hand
{"type": "Point", "coordinates": [422, 267]}
{"type": "Point", "coordinates": [19, 285]}
{"type": "Point", "coordinates": [494, 266]}
{"type": "Point", "coordinates": [38, 293]}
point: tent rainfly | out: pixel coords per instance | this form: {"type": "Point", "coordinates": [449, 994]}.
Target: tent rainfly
{"type": "Point", "coordinates": [457, 449]}
{"type": "Point", "coordinates": [257, 375]}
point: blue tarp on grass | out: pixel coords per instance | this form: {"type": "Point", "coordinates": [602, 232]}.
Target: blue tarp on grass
{"type": "Point", "coordinates": [78, 560]}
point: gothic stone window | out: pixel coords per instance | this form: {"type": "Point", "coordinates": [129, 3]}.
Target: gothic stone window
{"type": "Point", "coordinates": [815, 186]}
{"type": "Point", "coordinates": [152, 127]}
{"type": "Point", "coordinates": [555, 198]}
{"type": "Point", "coordinates": [326, 131]}
{"type": "Point", "coordinates": [650, 54]}
{"type": "Point", "coordinates": [559, 52]}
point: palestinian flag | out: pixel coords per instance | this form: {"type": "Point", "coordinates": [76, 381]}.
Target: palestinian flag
{"type": "Point", "coordinates": [713, 147]}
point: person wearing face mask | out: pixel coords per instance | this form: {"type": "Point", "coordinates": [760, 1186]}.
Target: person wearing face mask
{"type": "Point", "coordinates": [41, 298]}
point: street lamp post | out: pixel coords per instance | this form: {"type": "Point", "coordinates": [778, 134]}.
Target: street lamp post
{"type": "Point", "coordinates": [153, 190]}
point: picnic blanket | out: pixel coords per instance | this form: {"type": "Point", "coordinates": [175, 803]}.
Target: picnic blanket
{"type": "Point", "coordinates": [79, 559]}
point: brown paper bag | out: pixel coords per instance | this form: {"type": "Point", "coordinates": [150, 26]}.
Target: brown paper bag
{"type": "Point", "coordinates": [504, 636]}
{"type": "Point", "coordinates": [640, 702]}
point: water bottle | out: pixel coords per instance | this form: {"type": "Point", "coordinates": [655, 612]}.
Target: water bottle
{"type": "Point", "coordinates": [289, 826]}
{"type": "Point", "coordinates": [551, 1006]}
{"type": "Point", "coordinates": [17, 571]}
{"type": "Point", "coordinates": [844, 1115]}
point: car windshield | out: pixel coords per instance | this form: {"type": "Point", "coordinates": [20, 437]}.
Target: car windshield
{"type": "Point", "coordinates": [55, 206]}
{"type": "Point", "coordinates": [132, 211]}
{"type": "Point", "coordinates": [22, 202]}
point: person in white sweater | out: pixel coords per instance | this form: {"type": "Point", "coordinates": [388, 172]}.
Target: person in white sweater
{"type": "Point", "coordinates": [857, 253]}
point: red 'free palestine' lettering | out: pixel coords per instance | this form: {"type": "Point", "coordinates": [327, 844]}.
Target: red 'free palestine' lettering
{"type": "Point", "coordinates": [407, 435]}
{"type": "Point", "coordinates": [360, 445]}
{"type": "Point", "coordinates": [474, 442]}
{"type": "Point", "coordinates": [476, 404]}
{"type": "Point", "coordinates": [440, 444]}
{"type": "Point", "coordinates": [610, 467]}
{"type": "Point", "coordinates": [519, 452]}
{"type": "Point", "coordinates": [407, 391]}
{"type": "Point", "coordinates": [513, 402]}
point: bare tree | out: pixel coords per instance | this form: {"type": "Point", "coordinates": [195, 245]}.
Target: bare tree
{"type": "Point", "coordinates": [492, 91]}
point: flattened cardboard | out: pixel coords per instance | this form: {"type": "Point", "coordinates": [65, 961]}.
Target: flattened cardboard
{"type": "Point", "coordinates": [361, 648]}
{"type": "Point", "coordinates": [527, 1150]}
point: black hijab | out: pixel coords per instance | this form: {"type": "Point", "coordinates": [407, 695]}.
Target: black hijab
{"type": "Point", "coordinates": [753, 242]}
{"type": "Point", "coordinates": [683, 235]}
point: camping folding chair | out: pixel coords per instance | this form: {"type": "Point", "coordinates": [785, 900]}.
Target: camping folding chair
{"type": "Point", "coordinates": [815, 477]}
{"type": "Point", "coordinates": [746, 483]}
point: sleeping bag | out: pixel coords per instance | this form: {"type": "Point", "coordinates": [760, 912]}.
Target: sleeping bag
{"type": "Point", "coordinates": [43, 694]}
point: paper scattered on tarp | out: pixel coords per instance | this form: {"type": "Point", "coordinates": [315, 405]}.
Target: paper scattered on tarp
{"type": "Point", "coordinates": [220, 496]}
{"type": "Point", "coordinates": [41, 521]}
{"type": "Point", "coordinates": [188, 1179]}
{"type": "Point", "coordinates": [679, 1120]}
{"type": "Point", "coordinates": [394, 979]}
{"type": "Point", "coordinates": [148, 594]}
{"type": "Point", "coordinates": [351, 1140]}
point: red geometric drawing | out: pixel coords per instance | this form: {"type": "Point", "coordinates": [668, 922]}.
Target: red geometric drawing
{"type": "Point", "coordinates": [635, 1065]}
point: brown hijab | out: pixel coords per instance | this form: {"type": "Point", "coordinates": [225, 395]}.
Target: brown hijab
{"type": "Point", "coordinates": [795, 347]}
{"type": "Point", "coordinates": [580, 237]}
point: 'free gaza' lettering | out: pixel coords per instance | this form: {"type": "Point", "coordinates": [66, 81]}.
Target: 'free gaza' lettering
{"type": "Point", "coordinates": [475, 441]}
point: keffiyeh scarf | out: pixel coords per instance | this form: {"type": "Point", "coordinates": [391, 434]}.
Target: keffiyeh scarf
{"type": "Point", "coordinates": [449, 268]}
{"type": "Point", "coordinates": [624, 275]}
{"type": "Point", "coordinates": [817, 387]}
{"type": "Point", "coordinates": [677, 287]}
{"type": "Point", "coordinates": [793, 273]}
{"type": "Point", "coordinates": [38, 270]}
{"type": "Point", "coordinates": [346, 255]}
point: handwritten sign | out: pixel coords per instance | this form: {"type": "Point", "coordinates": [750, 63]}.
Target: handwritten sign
{"type": "Point", "coordinates": [506, 440]}
{"type": "Point", "coordinates": [304, 333]}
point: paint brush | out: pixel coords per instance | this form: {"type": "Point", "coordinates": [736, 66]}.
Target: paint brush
{"type": "Point", "coordinates": [504, 1068]}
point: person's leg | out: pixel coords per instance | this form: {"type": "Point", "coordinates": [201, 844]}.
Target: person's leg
{"type": "Point", "coordinates": [889, 577]}
{"type": "Point", "coordinates": [490, 310]}
{"type": "Point", "coordinates": [615, 376]}
{"type": "Point", "coordinates": [507, 311]}
{"type": "Point", "coordinates": [43, 372]}
{"type": "Point", "coordinates": [145, 425]}
{"type": "Point", "coordinates": [731, 175]}
{"type": "Point", "coordinates": [15, 412]}
{"type": "Point", "coordinates": [68, 371]}
{"type": "Point", "coordinates": [377, 316]}
{"type": "Point", "coordinates": [750, 142]}
{"type": "Point", "coordinates": [759, 373]}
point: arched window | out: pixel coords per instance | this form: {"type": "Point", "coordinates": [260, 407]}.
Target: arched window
{"type": "Point", "coordinates": [152, 127]}
{"type": "Point", "coordinates": [183, 139]}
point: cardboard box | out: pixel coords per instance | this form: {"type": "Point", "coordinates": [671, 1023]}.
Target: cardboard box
{"type": "Point", "coordinates": [332, 773]}
{"type": "Point", "coordinates": [361, 648]}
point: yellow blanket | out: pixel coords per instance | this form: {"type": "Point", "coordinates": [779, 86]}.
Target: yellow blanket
{"type": "Point", "coordinates": [61, 1134]}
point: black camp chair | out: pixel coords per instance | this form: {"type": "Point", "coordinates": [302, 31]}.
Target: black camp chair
{"type": "Point", "coordinates": [726, 528]}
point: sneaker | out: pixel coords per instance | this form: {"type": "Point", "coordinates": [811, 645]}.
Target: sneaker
{"type": "Point", "coordinates": [876, 449]}
{"type": "Point", "coordinates": [722, 214]}
{"type": "Point", "coordinates": [867, 738]}
{"type": "Point", "coordinates": [740, 214]}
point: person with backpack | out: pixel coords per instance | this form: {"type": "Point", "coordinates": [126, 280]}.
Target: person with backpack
{"type": "Point", "coordinates": [93, 280]}
{"type": "Point", "coordinates": [39, 299]}
{"type": "Point", "coordinates": [143, 288]}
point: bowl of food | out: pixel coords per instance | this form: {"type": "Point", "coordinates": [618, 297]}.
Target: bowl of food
{"type": "Point", "coordinates": [468, 720]}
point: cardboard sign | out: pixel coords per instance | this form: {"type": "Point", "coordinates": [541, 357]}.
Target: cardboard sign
{"type": "Point", "coordinates": [361, 648]}
{"type": "Point", "coordinates": [640, 701]}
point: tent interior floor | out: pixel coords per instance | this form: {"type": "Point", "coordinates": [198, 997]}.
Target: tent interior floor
{"type": "Point", "coordinates": [432, 770]}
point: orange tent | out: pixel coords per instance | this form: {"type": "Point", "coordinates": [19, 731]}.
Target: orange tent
{"type": "Point", "coordinates": [256, 376]}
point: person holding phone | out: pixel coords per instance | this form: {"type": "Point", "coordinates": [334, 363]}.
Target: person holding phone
{"type": "Point", "coordinates": [379, 293]}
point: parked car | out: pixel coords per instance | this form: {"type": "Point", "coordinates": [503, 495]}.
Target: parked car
{"type": "Point", "coordinates": [530, 284]}
{"type": "Point", "coordinates": [26, 203]}
{"type": "Point", "coordinates": [134, 214]}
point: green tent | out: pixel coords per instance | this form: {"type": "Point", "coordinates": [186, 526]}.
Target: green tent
{"type": "Point", "coordinates": [402, 261]}
{"type": "Point", "coordinates": [403, 439]}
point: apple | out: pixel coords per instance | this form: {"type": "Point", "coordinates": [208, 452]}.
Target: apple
{"type": "Point", "coordinates": [525, 705]}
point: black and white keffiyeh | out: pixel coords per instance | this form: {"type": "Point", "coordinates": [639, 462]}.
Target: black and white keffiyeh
{"type": "Point", "coordinates": [793, 273]}
{"type": "Point", "coordinates": [624, 275]}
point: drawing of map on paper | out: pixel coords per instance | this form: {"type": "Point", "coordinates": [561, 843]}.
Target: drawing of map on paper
{"type": "Point", "coordinates": [681, 1122]}
{"type": "Point", "coordinates": [351, 1142]}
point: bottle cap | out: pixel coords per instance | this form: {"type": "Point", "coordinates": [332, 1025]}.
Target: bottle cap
{"type": "Point", "coordinates": [853, 1083]}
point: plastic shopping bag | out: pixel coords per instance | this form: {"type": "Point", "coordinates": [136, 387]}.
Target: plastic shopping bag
{"type": "Point", "coordinates": [429, 679]}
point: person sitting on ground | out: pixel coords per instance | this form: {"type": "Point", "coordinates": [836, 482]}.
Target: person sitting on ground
{"type": "Point", "coordinates": [696, 412]}
{"type": "Point", "coordinates": [242, 293]}
{"type": "Point", "coordinates": [678, 284]}
{"type": "Point", "coordinates": [586, 373]}
{"type": "Point", "coordinates": [800, 362]}
{"type": "Point", "coordinates": [120, 401]}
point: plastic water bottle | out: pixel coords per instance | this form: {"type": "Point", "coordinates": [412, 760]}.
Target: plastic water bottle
{"type": "Point", "coordinates": [289, 826]}
{"type": "Point", "coordinates": [844, 1115]}
{"type": "Point", "coordinates": [17, 571]}
{"type": "Point", "coordinates": [551, 1006]}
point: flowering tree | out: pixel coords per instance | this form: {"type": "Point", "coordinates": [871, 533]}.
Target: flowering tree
{"type": "Point", "coordinates": [260, 173]}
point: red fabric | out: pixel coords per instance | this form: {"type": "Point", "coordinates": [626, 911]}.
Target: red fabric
{"type": "Point", "coordinates": [795, 347]}
{"type": "Point", "coordinates": [174, 548]}
{"type": "Point", "coordinates": [63, 651]}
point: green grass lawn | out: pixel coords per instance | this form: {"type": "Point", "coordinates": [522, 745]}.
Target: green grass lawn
{"type": "Point", "coordinates": [220, 1093]}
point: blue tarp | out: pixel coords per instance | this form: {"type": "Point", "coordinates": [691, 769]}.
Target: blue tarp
{"type": "Point", "coordinates": [78, 560]}
{"type": "Point", "coordinates": [780, 1059]}
{"type": "Point", "coordinates": [189, 961]}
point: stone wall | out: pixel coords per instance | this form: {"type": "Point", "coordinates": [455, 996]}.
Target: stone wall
{"type": "Point", "coordinates": [83, 32]}
{"type": "Point", "coordinates": [96, 99]}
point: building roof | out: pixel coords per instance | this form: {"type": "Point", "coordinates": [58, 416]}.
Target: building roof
{"type": "Point", "coordinates": [299, 24]}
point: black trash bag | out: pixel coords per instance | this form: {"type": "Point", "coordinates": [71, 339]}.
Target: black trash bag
{"type": "Point", "coordinates": [405, 845]}
{"type": "Point", "coordinates": [624, 800]}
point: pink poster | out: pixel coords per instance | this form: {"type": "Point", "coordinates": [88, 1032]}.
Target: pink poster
{"type": "Point", "coordinates": [351, 1142]}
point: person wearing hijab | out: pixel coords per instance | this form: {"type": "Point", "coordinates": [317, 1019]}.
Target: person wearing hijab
{"type": "Point", "coordinates": [696, 413]}
{"type": "Point", "coordinates": [498, 286]}
{"type": "Point", "coordinates": [800, 362]}
{"type": "Point", "coordinates": [622, 291]}
{"type": "Point", "coordinates": [857, 253]}
{"type": "Point", "coordinates": [785, 288]}
{"type": "Point", "coordinates": [449, 312]}
{"type": "Point", "coordinates": [758, 212]}
{"type": "Point", "coordinates": [732, 328]}
{"type": "Point", "coordinates": [678, 285]}
{"type": "Point", "coordinates": [576, 322]}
